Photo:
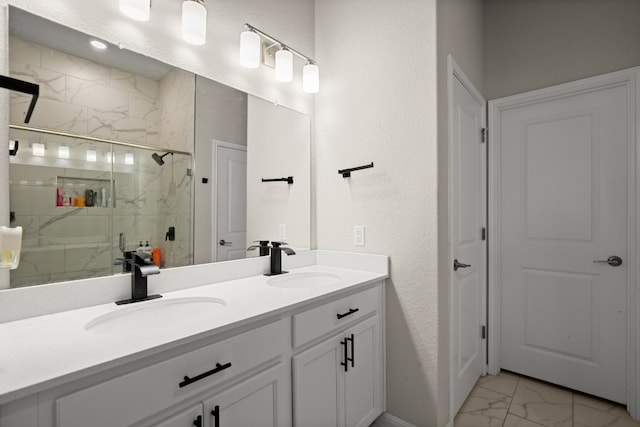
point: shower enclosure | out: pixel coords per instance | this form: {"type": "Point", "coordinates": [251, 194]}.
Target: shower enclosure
{"type": "Point", "coordinates": [83, 201]}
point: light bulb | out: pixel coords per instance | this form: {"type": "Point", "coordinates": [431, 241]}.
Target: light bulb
{"type": "Point", "coordinates": [284, 65]}
{"type": "Point", "coordinates": [194, 22]}
{"type": "Point", "coordinates": [128, 159]}
{"type": "Point", "coordinates": [92, 155]}
{"type": "Point", "coordinates": [98, 44]}
{"type": "Point", "coordinates": [37, 149]}
{"type": "Point", "coordinates": [249, 49]}
{"type": "Point", "coordinates": [136, 9]}
{"type": "Point", "coordinates": [63, 151]}
{"type": "Point", "coordinates": [311, 78]}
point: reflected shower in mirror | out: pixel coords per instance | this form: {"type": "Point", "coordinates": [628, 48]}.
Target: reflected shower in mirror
{"type": "Point", "coordinates": [144, 110]}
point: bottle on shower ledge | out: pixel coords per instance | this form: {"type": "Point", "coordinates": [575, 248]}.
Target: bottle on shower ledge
{"type": "Point", "coordinates": [59, 196]}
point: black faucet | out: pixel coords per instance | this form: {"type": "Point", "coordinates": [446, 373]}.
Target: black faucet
{"type": "Point", "coordinates": [140, 269]}
{"type": "Point", "coordinates": [264, 247]}
{"type": "Point", "coordinates": [276, 257]}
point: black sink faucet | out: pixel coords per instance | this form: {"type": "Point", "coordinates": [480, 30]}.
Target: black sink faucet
{"type": "Point", "coordinates": [140, 269]}
{"type": "Point", "coordinates": [276, 257]}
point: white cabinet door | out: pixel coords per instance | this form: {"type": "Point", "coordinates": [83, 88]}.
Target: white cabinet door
{"type": "Point", "coordinates": [317, 385]}
{"type": "Point", "coordinates": [339, 381]}
{"type": "Point", "coordinates": [363, 379]}
{"type": "Point", "coordinates": [261, 401]}
{"type": "Point", "coordinates": [187, 418]}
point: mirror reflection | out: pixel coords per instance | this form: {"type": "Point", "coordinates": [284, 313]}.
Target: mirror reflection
{"type": "Point", "coordinates": [136, 148]}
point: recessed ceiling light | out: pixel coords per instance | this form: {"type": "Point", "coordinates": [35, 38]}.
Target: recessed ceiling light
{"type": "Point", "coordinates": [98, 44]}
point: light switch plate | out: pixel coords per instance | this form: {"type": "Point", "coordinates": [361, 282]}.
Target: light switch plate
{"type": "Point", "coordinates": [282, 232]}
{"type": "Point", "coordinates": [358, 235]}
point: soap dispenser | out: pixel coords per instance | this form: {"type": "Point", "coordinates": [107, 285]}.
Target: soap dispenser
{"type": "Point", "coordinates": [10, 244]}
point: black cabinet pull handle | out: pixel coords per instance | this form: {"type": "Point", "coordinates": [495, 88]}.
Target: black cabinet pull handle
{"type": "Point", "coordinates": [198, 421]}
{"type": "Point", "coordinates": [350, 312]}
{"type": "Point", "coordinates": [216, 416]}
{"type": "Point", "coordinates": [346, 359]}
{"type": "Point", "coordinates": [352, 358]}
{"type": "Point", "coordinates": [215, 370]}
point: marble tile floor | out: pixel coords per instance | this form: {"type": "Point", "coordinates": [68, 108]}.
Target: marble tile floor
{"type": "Point", "coordinates": [510, 400]}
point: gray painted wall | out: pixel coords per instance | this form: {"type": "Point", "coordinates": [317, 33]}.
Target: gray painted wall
{"type": "Point", "coordinates": [531, 44]}
{"type": "Point", "coordinates": [221, 113]}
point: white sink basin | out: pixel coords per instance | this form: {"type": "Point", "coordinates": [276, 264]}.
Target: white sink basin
{"type": "Point", "coordinates": [157, 314]}
{"type": "Point", "coordinates": [303, 280]}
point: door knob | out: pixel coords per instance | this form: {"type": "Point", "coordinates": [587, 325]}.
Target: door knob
{"type": "Point", "coordinates": [457, 265]}
{"type": "Point", "coordinates": [613, 260]}
{"type": "Point", "coordinates": [225, 243]}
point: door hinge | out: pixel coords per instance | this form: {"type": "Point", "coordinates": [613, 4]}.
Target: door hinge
{"type": "Point", "coordinates": [484, 134]}
{"type": "Point", "coordinates": [484, 233]}
{"type": "Point", "coordinates": [483, 332]}
{"type": "Point", "coordinates": [189, 172]}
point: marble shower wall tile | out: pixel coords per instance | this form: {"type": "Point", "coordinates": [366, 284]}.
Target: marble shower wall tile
{"type": "Point", "coordinates": [96, 96]}
{"type": "Point", "coordinates": [24, 52]}
{"type": "Point", "coordinates": [74, 66]}
{"type": "Point", "coordinates": [135, 85]}
{"type": "Point", "coordinates": [52, 85]}
{"type": "Point", "coordinates": [51, 114]}
{"type": "Point", "coordinates": [176, 101]}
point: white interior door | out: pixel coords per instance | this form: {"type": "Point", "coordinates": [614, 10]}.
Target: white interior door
{"type": "Point", "coordinates": [231, 202]}
{"type": "Point", "coordinates": [468, 206]}
{"type": "Point", "coordinates": [563, 192]}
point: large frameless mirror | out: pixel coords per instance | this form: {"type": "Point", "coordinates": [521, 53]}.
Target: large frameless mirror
{"type": "Point", "coordinates": [126, 153]}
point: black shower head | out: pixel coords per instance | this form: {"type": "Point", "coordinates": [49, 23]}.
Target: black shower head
{"type": "Point", "coordinates": [158, 159]}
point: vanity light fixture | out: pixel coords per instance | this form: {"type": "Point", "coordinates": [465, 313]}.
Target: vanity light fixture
{"type": "Point", "coordinates": [250, 47]}
{"type": "Point", "coordinates": [92, 155]}
{"type": "Point", "coordinates": [284, 65]}
{"type": "Point", "coordinates": [311, 78]}
{"type": "Point", "coordinates": [37, 149]}
{"type": "Point", "coordinates": [63, 151]}
{"type": "Point", "coordinates": [140, 10]}
{"type": "Point", "coordinates": [250, 51]}
{"type": "Point", "coordinates": [194, 22]}
{"type": "Point", "coordinates": [98, 44]}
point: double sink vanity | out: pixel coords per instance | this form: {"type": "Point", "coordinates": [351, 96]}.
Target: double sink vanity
{"type": "Point", "coordinates": [224, 346]}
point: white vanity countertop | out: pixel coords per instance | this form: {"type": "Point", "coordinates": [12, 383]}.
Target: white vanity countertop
{"type": "Point", "coordinates": [42, 352]}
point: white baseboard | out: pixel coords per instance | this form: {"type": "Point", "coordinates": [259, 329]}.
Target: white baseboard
{"type": "Point", "coordinates": [388, 420]}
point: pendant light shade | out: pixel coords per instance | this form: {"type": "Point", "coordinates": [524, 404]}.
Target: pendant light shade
{"type": "Point", "coordinates": [136, 9]}
{"type": "Point", "coordinates": [194, 22]}
{"type": "Point", "coordinates": [311, 78]}
{"type": "Point", "coordinates": [250, 49]}
{"type": "Point", "coordinates": [284, 65]}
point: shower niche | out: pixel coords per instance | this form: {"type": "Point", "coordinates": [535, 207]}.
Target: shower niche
{"type": "Point", "coordinates": [83, 201]}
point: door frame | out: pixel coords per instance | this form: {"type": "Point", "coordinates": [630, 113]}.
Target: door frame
{"type": "Point", "coordinates": [214, 193]}
{"type": "Point", "coordinates": [455, 72]}
{"type": "Point", "coordinates": [628, 78]}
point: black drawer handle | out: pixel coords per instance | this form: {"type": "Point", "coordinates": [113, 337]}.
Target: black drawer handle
{"type": "Point", "coordinates": [215, 370]}
{"type": "Point", "coordinates": [198, 421]}
{"type": "Point", "coordinates": [352, 358]}
{"type": "Point", "coordinates": [346, 356]}
{"type": "Point", "coordinates": [350, 312]}
{"type": "Point", "coordinates": [216, 416]}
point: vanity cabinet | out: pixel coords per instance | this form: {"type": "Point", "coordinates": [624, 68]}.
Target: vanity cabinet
{"type": "Point", "coordinates": [318, 363]}
{"type": "Point", "coordinates": [191, 417]}
{"type": "Point", "coordinates": [259, 401]}
{"type": "Point", "coordinates": [339, 382]}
